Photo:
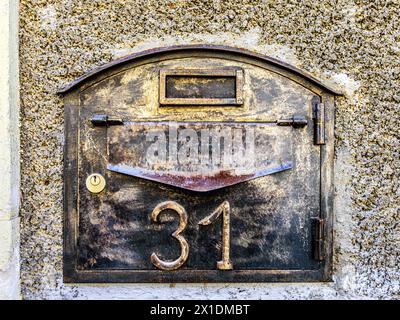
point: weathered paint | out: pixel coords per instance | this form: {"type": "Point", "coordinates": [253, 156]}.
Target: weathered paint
{"type": "Point", "coordinates": [271, 216]}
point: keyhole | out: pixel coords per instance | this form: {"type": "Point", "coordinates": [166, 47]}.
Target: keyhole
{"type": "Point", "coordinates": [95, 180]}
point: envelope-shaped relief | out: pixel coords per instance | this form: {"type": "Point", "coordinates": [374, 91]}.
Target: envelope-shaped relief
{"type": "Point", "coordinates": [198, 156]}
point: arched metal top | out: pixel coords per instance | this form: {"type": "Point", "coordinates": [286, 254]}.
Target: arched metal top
{"type": "Point", "coordinates": [207, 47]}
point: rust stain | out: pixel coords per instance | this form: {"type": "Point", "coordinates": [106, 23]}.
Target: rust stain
{"type": "Point", "coordinates": [197, 182]}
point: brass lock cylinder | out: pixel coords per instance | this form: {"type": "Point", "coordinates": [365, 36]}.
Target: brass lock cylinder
{"type": "Point", "coordinates": [95, 183]}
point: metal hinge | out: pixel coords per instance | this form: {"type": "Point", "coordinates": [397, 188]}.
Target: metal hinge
{"type": "Point", "coordinates": [105, 120]}
{"type": "Point", "coordinates": [319, 122]}
{"type": "Point", "coordinates": [318, 239]}
{"type": "Point", "coordinates": [295, 121]}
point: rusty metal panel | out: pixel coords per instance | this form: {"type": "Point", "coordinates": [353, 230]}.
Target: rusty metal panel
{"type": "Point", "coordinates": [196, 192]}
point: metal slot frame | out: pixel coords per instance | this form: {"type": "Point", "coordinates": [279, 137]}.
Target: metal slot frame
{"type": "Point", "coordinates": [237, 73]}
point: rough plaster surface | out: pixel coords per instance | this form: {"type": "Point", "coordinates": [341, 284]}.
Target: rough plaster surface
{"type": "Point", "coordinates": [353, 44]}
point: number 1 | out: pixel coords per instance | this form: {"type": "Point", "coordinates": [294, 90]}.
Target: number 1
{"type": "Point", "coordinates": [224, 208]}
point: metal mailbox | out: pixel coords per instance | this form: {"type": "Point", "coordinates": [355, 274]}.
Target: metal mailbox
{"type": "Point", "coordinates": [198, 164]}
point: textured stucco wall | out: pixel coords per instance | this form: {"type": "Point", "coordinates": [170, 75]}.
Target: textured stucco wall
{"type": "Point", "coordinates": [353, 44]}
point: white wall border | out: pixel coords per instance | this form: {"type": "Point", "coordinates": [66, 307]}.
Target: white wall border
{"type": "Point", "coordinates": [9, 151]}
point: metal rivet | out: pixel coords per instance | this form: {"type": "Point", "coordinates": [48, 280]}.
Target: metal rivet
{"type": "Point", "coordinates": [95, 183]}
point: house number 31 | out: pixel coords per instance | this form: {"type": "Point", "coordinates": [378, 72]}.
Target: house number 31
{"type": "Point", "coordinates": [223, 208]}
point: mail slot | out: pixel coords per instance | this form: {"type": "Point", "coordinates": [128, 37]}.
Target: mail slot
{"type": "Point", "coordinates": [201, 87]}
{"type": "Point", "coordinates": [198, 164]}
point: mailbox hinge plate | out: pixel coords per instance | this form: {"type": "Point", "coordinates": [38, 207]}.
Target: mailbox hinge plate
{"type": "Point", "coordinates": [105, 120]}
{"type": "Point", "coordinates": [319, 239]}
{"type": "Point", "coordinates": [319, 123]}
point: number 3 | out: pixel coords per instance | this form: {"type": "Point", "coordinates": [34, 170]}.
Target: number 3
{"type": "Point", "coordinates": [172, 265]}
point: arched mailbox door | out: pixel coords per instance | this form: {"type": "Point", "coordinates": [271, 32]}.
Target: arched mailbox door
{"type": "Point", "coordinates": [196, 164]}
